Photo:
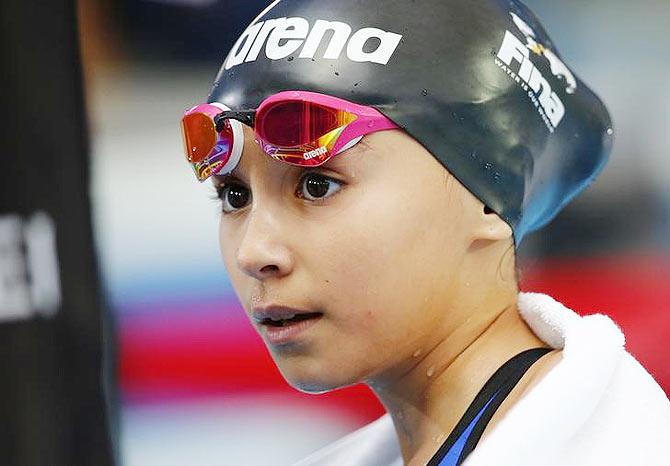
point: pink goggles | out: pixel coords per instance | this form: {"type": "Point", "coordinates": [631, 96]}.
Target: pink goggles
{"type": "Point", "coordinates": [300, 128]}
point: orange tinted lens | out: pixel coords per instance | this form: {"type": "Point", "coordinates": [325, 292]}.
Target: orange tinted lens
{"type": "Point", "coordinates": [199, 136]}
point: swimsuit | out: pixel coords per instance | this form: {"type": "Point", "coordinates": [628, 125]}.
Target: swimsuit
{"type": "Point", "coordinates": [465, 436]}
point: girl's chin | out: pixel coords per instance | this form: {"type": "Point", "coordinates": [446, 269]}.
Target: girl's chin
{"type": "Point", "coordinates": [312, 389]}
{"type": "Point", "coordinates": [314, 375]}
{"type": "Point", "coordinates": [316, 385]}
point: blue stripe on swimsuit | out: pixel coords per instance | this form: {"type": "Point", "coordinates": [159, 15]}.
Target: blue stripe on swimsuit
{"type": "Point", "coordinates": [465, 436]}
{"type": "Point", "coordinates": [454, 453]}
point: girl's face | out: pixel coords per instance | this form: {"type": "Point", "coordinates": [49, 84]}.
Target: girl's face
{"type": "Point", "coordinates": [372, 240]}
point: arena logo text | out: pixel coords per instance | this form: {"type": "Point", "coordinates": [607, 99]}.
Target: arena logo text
{"type": "Point", "coordinates": [282, 37]}
{"type": "Point", "coordinates": [315, 153]}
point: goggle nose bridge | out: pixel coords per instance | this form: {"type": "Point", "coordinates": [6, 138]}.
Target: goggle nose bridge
{"type": "Point", "coordinates": [248, 117]}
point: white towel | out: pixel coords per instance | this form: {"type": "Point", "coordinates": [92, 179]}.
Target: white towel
{"type": "Point", "coordinates": [597, 407]}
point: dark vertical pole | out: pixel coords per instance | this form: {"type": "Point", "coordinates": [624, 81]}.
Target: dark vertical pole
{"type": "Point", "coordinates": [52, 324]}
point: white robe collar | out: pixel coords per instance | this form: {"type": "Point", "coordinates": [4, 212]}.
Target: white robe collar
{"type": "Point", "coordinates": [567, 395]}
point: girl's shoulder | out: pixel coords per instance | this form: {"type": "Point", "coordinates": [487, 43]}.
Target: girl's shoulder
{"type": "Point", "coordinates": [597, 405]}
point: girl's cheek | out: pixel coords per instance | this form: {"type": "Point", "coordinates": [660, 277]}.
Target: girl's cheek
{"type": "Point", "coordinates": [369, 318]}
{"type": "Point", "coordinates": [372, 320]}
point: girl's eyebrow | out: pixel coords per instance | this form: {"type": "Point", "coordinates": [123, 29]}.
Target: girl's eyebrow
{"type": "Point", "coordinates": [220, 180]}
{"type": "Point", "coordinates": [359, 149]}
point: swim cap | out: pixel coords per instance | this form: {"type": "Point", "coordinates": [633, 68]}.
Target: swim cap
{"type": "Point", "coordinates": [477, 82]}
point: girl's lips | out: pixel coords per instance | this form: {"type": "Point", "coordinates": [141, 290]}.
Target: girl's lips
{"type": "Point", "coordinates": [289, 331]}
{"type": "Point", "coordinates": [261, 313]}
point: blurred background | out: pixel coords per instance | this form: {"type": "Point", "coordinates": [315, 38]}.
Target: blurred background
{"type": "Point", "coordinates": [196, 383]}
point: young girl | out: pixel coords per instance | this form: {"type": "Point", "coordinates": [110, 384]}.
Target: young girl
{"type": "Point", "coordinates": [378, 163]}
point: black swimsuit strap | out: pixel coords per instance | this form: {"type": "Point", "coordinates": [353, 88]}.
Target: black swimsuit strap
{"type": "Point", "coordinates": [486, 403]}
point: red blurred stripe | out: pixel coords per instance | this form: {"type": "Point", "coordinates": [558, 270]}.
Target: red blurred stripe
{"type": "Point", "coordinates": [215, 350]}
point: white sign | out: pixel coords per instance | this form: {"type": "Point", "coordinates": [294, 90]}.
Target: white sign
{"type": "Point", "coordinates": [29, 272]}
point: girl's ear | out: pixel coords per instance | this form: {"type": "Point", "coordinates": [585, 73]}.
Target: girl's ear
{"type": "Point", "coordinates": [490, 226]}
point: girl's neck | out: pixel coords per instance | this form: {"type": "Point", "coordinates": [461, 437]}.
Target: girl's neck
{"type": "Point", "coordinates": [427, 395]}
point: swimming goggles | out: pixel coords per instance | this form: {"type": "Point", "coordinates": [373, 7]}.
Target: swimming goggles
{"type": "Point", "coordinates": [300, 128]}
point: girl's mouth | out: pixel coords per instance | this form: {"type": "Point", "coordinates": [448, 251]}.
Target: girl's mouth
{"type": "Point", "coordinates": [290, 320]}
{"type": "Point", "coordinates": [285, 329]}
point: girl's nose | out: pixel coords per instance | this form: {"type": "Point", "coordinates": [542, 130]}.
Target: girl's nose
{"type": "Point", "coordinates": [262, 253]}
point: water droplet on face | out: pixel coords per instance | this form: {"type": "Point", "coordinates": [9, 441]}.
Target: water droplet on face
{"type": "Point", "coordinates": [417, 353]}
{"type": "Point", "coordinates": [430, 371]}
{"type": "Point", "coordinates": [424, 92]}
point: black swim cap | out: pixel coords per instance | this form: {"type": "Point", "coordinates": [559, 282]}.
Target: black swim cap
{"type": "Point", "coordinates": [477, 82]}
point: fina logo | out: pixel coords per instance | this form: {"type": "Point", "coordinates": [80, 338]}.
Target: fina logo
{"type": "Point", "coordinates": [558, 68]}
{"type": "Point", "coordinates": [548, 104]}
{"type": "Point", "coordinates": [284, 36]}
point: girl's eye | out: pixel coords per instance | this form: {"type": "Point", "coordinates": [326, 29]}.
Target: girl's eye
{"type": "Point", "coordinates": [233, 196]}
{"type": "Point", "coordinates": [314, 186]}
